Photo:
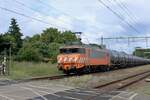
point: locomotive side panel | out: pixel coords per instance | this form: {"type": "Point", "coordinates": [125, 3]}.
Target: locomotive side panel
{"type": "Point", "coordinates": [98, 57]}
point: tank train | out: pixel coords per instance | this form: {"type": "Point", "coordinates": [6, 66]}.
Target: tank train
{"type": "Point", "coordinates": [82, 58]}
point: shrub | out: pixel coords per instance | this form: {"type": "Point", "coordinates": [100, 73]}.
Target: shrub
{"type": "Point", "coordinates": [29, 53]}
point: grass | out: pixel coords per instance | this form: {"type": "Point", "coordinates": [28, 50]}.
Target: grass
{"type": "Point", "coordinates": [24, 70]}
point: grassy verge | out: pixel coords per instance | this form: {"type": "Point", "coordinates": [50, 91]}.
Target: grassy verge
{"type": "Point", "coordinates": [24, 70]}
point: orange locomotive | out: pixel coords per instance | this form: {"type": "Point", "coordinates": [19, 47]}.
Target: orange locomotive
{"type": "Point", "coordinates": [81, 58]}
{"type": "Point", "coordinates": [90, 58]}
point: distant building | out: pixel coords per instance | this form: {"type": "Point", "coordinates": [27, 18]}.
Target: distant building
{"type": "Point", "coordinates": [142, 52]}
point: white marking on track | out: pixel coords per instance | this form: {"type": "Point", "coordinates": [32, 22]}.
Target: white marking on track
{"type": "Point", "coordinates": [42, 87]}
{"type": "Point", "coordinates": [76, 93]}
{"type": "Point", "coordinates": [7, 98]}
{"type": "Point", "coordinates": [51, 93]}
{"type": "Point", "coordinates": [118, 95]}
{"type": "Point", "coordinates": [133, 96]}
{"type": "Point", "coordinates": [34, 92]}
{"type": "Point", "coordinates": [58, 95]}
{"type": "Point", "coordinates": [107, 95]}
{"type": "Point", "coordinates": [39, 87]}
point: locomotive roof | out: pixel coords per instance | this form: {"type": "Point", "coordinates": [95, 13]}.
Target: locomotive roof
{"type": "Point", "coordinates": [79, 44]}
{"type": "Point", "coordinates": [82, 46]}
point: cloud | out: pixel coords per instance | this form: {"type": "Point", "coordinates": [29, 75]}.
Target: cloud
{"type": "Point", "coordinates": [61, 22]}
{"type": "Point", "coordinates": [87, 16]}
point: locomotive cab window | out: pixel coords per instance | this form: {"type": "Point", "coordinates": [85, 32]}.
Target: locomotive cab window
{"type": "Point", "coordinates": [72, 50]}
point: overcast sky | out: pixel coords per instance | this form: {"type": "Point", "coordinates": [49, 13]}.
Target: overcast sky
{"type": "Point", "coordinates": [87, 16]}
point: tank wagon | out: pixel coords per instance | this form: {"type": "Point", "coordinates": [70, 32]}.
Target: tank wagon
{"type": "Point", "coordinates": [87, 58]}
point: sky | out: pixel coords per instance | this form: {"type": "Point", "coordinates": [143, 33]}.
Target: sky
{"type": "Point", "coordinates": [87, 16]}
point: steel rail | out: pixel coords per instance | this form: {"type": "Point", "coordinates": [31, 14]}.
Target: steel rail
{"type": "Point", "coordinates": [125, 79]}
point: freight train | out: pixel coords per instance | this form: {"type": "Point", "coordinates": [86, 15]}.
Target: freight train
{"type": "Point", "coordinates": [82, 58]}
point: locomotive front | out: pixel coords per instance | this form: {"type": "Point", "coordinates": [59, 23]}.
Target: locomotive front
{"type": "Point", "coordinates": [71, 59]}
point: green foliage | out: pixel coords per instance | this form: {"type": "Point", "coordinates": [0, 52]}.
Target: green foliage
{"type": "Point", "coordinates": [29, 53]}
{"type": "Point", "coordinates": [54, 51]}
{"type": "Point", "coordinates": [14, 30]}
{"type": "Point", "coordinates": [14, 36]}
{"type": "Point", "coordinates": [145, 53]}
{"type": "Point", "coordinates": [43, 48]}
{"type": "Point", "coordinates": [1, 38]}
{"type": "Point", "coordinates": [47, 45]}
{"type": "Point", "coordinates": [38, 47]}
{"type": "Point", "coordinates": [68, 36]}
{"type": "Point", "coordinates": [50, 35]}
{"type": "Point", "coordinates": [33, 39]}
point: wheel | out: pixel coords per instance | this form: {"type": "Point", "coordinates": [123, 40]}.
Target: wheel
{"type": "Point", "coordinates": [105, 69]}
{"type": "Point", "coordinates": [87, 70]}
{"type": "Point", "coordinates": [67, 72]}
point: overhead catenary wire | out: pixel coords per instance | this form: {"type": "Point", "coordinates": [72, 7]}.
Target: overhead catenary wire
{"type": "Point", "coordinates": [65, 13]}
{"type": "Point", "coordinates": [47, 5]}
{"type": "Point", "coordinates": [124, 5]}
{"type": "Point", "coordinates": [119, 16]}
{"type": "Point", "coordinates": [119, 9]}
{"type": "Point", "coordinates": [33, 18]}
{"type": "Point", "coordinates": [21, 3]}
{"type": "Point", "coordinates": [125, 10]}
{"type": "Point", "coordinates": [26, 6]}
{"type": "Point", "coordinates": [27, 16]}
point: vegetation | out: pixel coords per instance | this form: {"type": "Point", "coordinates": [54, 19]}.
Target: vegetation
{"type": "Point", "coordinates": [40, 47]}
{"type": "Point", "coordinates": [13, 36]}
{"type": "Point", "coordinates": [24, 70]}
{"type": "Point", "coordinates": [36, 55]}
{"type": "Point", "coordinates": [142, 52]}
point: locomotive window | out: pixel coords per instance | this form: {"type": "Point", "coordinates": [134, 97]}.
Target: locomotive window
{"type": "Point", "coordinates": [72, 50]}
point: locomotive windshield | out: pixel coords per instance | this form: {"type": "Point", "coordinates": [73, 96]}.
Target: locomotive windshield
{"type": "Point", "coordinates": [72, 50]}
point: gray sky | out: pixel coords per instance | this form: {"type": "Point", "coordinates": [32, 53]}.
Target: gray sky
{"type": "Point", "coordinates": [87, 16]}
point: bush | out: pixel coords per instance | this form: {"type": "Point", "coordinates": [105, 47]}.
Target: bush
{"type": "Point", "coordinates": [44, 47]}
{"type": "Point", "coordinates": [54, 48]}
{"type": "Point", "coordinates": [29, 53]}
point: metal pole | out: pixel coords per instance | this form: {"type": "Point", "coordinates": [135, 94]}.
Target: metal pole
{"type": "Point", "coordinates": [128, 44]}
{"type": "Point", "coordinates": [146, 42]}
{"type": "Point", "coordinates": [102, 40]}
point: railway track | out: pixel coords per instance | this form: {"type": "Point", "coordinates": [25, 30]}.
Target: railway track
{"type": "Point", "coordinates": [120, 84]}
{"type": "Point", "coordinates": [73, 75]}
{"type": "Point", "coordinates": [124, 82]}
{"type": "Point", "coordinates": [48, 77]}
{"type": "Point", "coordinates": [57, 76]}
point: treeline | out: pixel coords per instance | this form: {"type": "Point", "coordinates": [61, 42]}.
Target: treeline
{"type": "Point", "coordinates": [141, 52]}
{"type": "Point", "coordinates": [39, 47]}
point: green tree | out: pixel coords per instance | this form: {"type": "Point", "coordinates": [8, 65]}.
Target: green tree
{"type": "Point", "coordinates": [35, 38]}
{"type": "Point", "coordinates": [45, 46]}
{"type": "Point", "coordinates": [68, 36]}
{"type": "Point", "coordinates": [54, 51]}
{"type": "Point", "coordinates": [14, 31]}
{"type": "Point", "coordinates": [51, 35]}
{"type": "Point", "coordinates": [1, 38]}
{"type": "Point", "coordinates": [29, 53]}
